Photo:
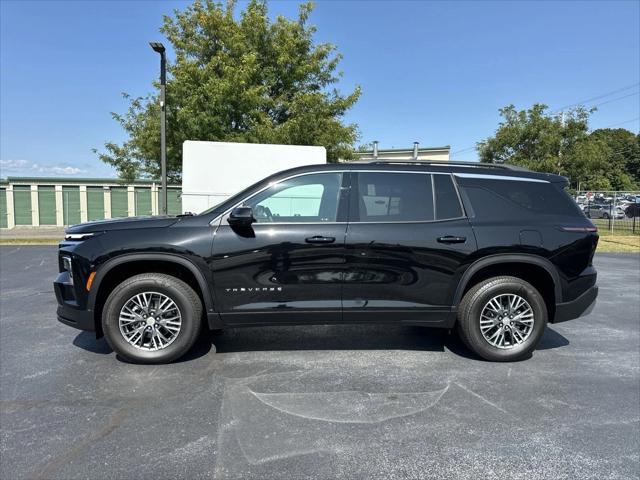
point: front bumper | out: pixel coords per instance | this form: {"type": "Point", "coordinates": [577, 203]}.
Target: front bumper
{"type": "Point", "coordinates": [69, 312]}
{"type": "Point", "coordinates": [583, 305]}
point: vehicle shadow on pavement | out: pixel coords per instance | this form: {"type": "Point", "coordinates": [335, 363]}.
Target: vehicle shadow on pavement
{"type": "Point", "coordinates": [552, 339]}
{"type": "Point", "coordinates": [330, 337]}
{"type": "Point", "coordinates": [323, 337]}
{"type": "Point", "coordinates": [88, 341]}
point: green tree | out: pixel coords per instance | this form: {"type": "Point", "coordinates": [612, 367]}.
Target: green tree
{"type": "Point", "coordinates": [586, 165]}
{"type": "Point", "coordinates": [624, 149]}
{"type": "Point", "coordinates": [533, 139]}
{"type": "Point", "coordinates": [244, 79]}
{"type": "Point", "coordinates": [562, 144]}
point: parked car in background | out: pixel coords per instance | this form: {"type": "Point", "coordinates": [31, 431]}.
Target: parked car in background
{"type": "Point", "coordinates": [603, 210]}
{"type": "Point", "coordinates": [633, 210]}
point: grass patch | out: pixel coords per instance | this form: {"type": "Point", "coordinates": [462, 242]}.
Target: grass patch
{"type": "Point", "coordinates": [29, 241]}
{"type": "Point", "coordinates": [619, 243]}
{"type": "Point", "coordinates": [620, 227]}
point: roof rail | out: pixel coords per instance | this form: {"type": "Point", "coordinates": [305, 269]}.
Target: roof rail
{"type": "Point", "coordinates": [444, 163]}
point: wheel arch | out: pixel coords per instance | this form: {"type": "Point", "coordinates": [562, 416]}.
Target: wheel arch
{"type": "Point", "coordinates": [115, 270]}
{"type": "Point", "coordinates": [536, 270]}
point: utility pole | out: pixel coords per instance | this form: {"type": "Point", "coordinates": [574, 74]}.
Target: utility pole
{"type": "Point", "coordinates": [561, 141]}
{"type": "Point", "coordinates": [159, 48]}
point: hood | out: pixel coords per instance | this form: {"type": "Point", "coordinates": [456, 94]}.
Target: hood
{"type": "Point", "coordinates": [127, 223]}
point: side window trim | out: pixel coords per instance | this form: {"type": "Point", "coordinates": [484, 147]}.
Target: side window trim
{"type": "Point", "coordinates": [351, 186]}
{"type": "Point", "coordinates": [354, 208]}
{"type": "Point", "coordinates": [465, 203]}
{"type": "Point", "coordinates": [344, 198]}
{"type": "Point", "coordinates": [433, 197]}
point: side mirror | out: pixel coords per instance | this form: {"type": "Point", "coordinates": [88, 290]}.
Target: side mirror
{"type": "Point", "coordinates": [241, 217]}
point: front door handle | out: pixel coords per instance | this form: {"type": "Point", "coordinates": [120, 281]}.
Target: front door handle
{"type": "Point", "coordinates": [452, 239]}
{"type": "Point", "coordinates": [320, 239]}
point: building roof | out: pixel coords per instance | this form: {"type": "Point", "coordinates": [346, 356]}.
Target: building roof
{"type": "Point", "coordinates": [80, 181]}
{"type": "Point", "coordinates": [444, 148]}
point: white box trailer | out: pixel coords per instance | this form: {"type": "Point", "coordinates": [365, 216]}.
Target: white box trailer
{"type": "Point", "coordinates": [213, 171]}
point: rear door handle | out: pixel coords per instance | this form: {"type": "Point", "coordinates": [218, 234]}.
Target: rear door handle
{"type": "Point", "coordinates": [452, 239]}
{"type": "Point", "coordinates": [320, 239]}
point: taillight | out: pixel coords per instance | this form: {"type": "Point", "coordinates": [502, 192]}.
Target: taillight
{"type": "Point", "coordinates": [579, 229]}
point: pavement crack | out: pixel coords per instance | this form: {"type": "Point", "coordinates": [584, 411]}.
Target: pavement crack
{"type": "Point", "coordinates": [485, 400]}
{"type": "Point", "coordinates": [114, 422]}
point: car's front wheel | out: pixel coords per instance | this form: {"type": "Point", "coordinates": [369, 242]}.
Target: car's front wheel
{"type": "Point", "coordinates": [152, 318]}
{"type": "Point", "coordinates": [502, 318]}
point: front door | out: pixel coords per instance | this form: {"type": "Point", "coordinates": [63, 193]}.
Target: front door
{"type": "Point", "coordinates": [406, 241]}
{"type": "Point", "coordinates": [288, 266]}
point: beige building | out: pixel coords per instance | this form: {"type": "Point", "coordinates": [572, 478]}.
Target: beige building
{"type": "Point", "coordinates": [416, 153]}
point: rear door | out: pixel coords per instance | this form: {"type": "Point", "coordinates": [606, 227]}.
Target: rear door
{"type": "Point", "coordinates": [407, 239]}
{"type": "Point", "coordinates": [289, 265]}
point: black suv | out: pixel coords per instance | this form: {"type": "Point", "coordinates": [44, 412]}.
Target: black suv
{"type": "Point", "coordinates": [494, 251]}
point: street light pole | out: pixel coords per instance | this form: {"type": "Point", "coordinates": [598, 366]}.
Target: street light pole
{"type": "Point", "coordinates": [159, 48]}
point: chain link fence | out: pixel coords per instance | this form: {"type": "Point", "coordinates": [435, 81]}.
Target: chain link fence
{"type": "Point", "coordinates": [613, 211]}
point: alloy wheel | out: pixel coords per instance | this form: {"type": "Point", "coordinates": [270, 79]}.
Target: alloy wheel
{"type": "Point", "coordinates": [506, 321]}
{"type": "Point", "coordinates": [150, 321]}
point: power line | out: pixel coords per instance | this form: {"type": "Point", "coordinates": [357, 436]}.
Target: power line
{"type": "Point", "coordinates": [615, 99]}
{"type": "Point", "coordinates": [582, 102]}
{"type": "Point", "coordinates": [463, 150]}
{"type": "Point", "coordinates": [597, 97]}
{"type": "Point", "coordinates": [621, 123]}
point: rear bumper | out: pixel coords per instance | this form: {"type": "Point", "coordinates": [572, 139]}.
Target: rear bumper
{"type": "Point", "coordinates": [583, 305]}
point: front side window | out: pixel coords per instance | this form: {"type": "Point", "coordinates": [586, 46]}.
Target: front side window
{"type": "Point", "coordinates": [308, 198]}
{"type": "Point", "coordinates": [394, 197]}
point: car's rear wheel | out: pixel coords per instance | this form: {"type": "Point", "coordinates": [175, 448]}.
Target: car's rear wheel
{"type": "Point", "coordinates": [605, 216]}
{"type": "Point", "coordinates": [152, 318]}
{"type": "Point", "coordinates": [502, 318]}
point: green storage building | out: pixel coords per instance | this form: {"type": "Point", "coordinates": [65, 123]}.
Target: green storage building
{"type": "Point", "coordinates": [49, 201]}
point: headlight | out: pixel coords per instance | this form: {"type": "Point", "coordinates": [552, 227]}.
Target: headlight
{"type": "Point", "coordinates": [66, 265]}
{"type": "Point", "coordinates": [78, 236]}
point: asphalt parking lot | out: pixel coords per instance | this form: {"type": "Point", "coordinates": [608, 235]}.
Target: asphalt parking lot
{"type": "Point", "coordinates": [322, 402]}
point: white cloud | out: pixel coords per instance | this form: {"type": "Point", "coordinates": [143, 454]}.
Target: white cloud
{"type": "Point", "coordinates": [25, 167]}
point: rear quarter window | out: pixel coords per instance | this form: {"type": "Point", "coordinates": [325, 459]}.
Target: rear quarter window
{"type": "Point", "coordinates": [508, 198]}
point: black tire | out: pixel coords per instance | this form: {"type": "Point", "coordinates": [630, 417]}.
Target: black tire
{"type": "Point", "coordinates": [605, 216]}
{"type": "Point", "coordinates": [471, 307]}
{"type": "Point", "coordinates": [182, 295]}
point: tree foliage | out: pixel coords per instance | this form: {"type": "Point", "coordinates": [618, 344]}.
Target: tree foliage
{"type": "Point", "coordinates": [624, 151]}
{"type": "Point", "coordinates": [603, 159]}
{"type": "Point", "coordinates": [239, 78]}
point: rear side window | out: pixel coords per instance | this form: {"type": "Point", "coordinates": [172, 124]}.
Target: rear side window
{"type": "Point", "coordinates": [506, 198]}
{"type": "Point", "coordinates": [447, 202]}
{"type": "Point", "coordinates": [394, 197]}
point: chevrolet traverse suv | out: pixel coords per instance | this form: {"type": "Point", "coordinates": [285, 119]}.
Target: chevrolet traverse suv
{"type": "Point", "coordinates": [492, 251]}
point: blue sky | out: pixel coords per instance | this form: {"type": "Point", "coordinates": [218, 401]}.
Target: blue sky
{"type": "Point", "coordinates": [435, 72]}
